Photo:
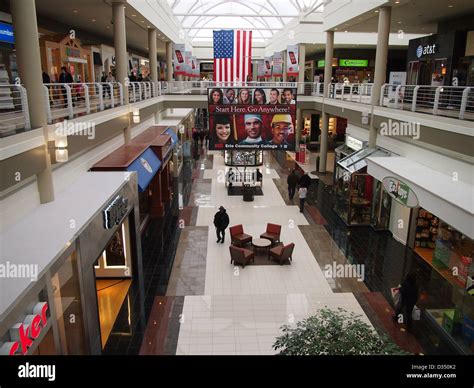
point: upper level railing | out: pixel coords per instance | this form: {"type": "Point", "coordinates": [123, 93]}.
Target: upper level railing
{"type": "Point", "coordinates": [69, 101]}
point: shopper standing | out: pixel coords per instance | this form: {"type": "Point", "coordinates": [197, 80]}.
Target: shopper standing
{"type": "Point", "coordinates": [409, 297]}
{"type": "Point", "coordinates": [302, 192]}
{"type": "Point", "coordinates": [221, 222]}
{"type": "Point", "coordinates": [292, 182]}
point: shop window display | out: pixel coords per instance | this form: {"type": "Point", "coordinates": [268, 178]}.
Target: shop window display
{"type": "Point", "coordinates": [449, 302]}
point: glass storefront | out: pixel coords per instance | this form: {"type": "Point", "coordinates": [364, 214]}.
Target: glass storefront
{"type": "Point", "coordinates": [448, 297]}
{"type": "Point", "coordinates": [68, 306]}
{"type": "Point", "coordinates": [355, 189]}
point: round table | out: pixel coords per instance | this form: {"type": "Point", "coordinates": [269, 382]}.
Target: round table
{"type": "Point", "coordinates": [261, 243]}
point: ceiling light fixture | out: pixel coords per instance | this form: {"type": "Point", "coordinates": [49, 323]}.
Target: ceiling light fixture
{"type": "Point", "coordinates": [94, 20]}
{"type": "Point", "coordinates": [376, 11]}
{"type": "Point", "coordinates": [450, 6]}
{"type": "Point", "coordinates": [134, 16]}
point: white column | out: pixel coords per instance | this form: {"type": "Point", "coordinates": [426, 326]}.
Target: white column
{"type": "Point", "coordinates": [121, 56]}
{"type": "Point", "coordinates": [152, 54]}
{"type": "Point", "coordinates": [381, 56]}
{"type": "Point", "coordinates": [169, 61]}
{"type": "Point", "coordinates": [301, 62]}
{"type": "Point", "coordinates": [29, 67]}
{"type": "Point", "coordinates": [323, 147]}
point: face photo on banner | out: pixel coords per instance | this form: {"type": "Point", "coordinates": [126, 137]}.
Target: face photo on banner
{"type": "Point", "coordinates": [252, 122]}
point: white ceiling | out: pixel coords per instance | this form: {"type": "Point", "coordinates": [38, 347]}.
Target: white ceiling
{"type": "Point", "coordinates": [412, 16]}
{"type": "Point", "coordinates": [264, 17]}
{"type": "Point", "coordinates": [95, 17]}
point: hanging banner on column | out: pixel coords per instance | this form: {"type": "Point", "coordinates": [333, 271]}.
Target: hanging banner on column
{"type": "Point", "coordinates": [261, 69]}
{"type": "Point", "coordinates": [178, 59]}
{"type": "Point", "coordinates": [277, 65]}
{"type": "Point", "coordinates": [292, 56]}
{"type": "Point", "coordinates": [187, 62]}
{"type": "Point", "coordinates": [268, 67]}
{"type": "Point", "coordinates": [252, 118]}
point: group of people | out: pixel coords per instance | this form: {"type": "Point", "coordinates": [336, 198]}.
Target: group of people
{"type": "Point", "coordinates": [281, 126]}
{"type": "Point", "coordinates": [244, 96]}
{"type": "Point", "coordinates": [303, 182]}
{"type": "Point", "coordinates": [201, 135]}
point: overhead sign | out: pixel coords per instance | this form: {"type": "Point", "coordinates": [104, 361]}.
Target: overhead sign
{"type": "Point", "coordinates": [292, 65]}
{"type": "Point", "coordinates": [428, 49]}
{"type": "Point", "coordinates": [115, 211]}
{"type": "Point", "coordinates": [277, 64]}
{"type": "Point", "coordinates": [321, 63]}
{"type": "Point", "coordinates": [353, 62]}
{"type": "Point", "coordinates": [179, 59]}
{"type": "Point", "coordinates": [354, 143]}
{"type": "Point", "coordinates": [400, 191]}
{"type": "Point", "coordinates": [6, 33]}
{"type": "Point", "coordinates": [259, 118]}
{"type": "Point", "coordinates": [23, 334]}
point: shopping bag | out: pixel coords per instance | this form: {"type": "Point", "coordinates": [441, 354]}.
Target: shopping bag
{"type": "Point", "coordinates": [396, 296]}
{"type": "Point", "coordinates": [416, 314]}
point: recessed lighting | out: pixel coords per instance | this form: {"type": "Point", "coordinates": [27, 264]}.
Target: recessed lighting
{"type": "Point", "coordinates": [450, 6]}
{"type": "Point", "coordinates": [75, 11]}
{"type": "Point", "coordinates": [397, 2]}
{"type": "Point", "coordinates": [143, 21]}
{"type": "Point", "coordinates": [376, 11]}
{"type": "Point", "coordinates": [94, 20]}
{"type": "Point", "coordinates": [399, 22]}
{"type": "Point", "coordinates": [148, 26]}
{"type": "Point", "coordinates": [134, 16]}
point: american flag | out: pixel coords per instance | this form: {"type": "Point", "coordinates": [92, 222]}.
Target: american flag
{"type": "Point", "coordinates": [232, 55]}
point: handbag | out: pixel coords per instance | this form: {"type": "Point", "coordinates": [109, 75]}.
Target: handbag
{"type": "Point", "coordinates": [396, 296]}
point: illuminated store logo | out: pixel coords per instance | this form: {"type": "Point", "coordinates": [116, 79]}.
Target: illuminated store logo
{"type": "Point", "coordinates": [400, 191]}
{"type": "Point", "coordinates": [426, 50]}
{"type": "Point", "coordinates": [115, 211]}
{"type": "Point", "coordinates": [23, 334]}
{"type": "Point", "coordinates": [146, 165]}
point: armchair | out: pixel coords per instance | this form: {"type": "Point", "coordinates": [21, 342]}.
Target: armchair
{"type": "Point", "coordinates": [240, 256]}
{"type": "Point", "coordinates": [282, 253]}
{"type": "Point", "coordinates": [272, 233]}
{"type": "Point", "coordinates": [238, 237]}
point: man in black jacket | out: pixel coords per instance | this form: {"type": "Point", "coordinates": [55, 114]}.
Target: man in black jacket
{"type": "Point", "coordinates": [221, 222]}
{"type": "Point", "coordinates": [292, 182]}
{"type": "Point", "coordinates": [305, 180]}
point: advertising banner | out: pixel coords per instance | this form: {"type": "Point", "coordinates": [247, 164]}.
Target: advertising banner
{"type": "Point", "coordinates": [292, 56]}
{"type": "Point", "coordinates": [188, 63]}
{"type": "Point", "coordinates": [252, 118]}
{"type": "Point", "coordinates": [178, 59]}
{"type": "Point", "coordinates": [261, 69]}
{"type": "Point", "coordinates": [277, 65]}
{"type": "Point", "coordinates": [267, 67]}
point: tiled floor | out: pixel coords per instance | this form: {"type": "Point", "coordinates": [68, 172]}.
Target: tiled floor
{"type": "Point", "coordinates": [248, 324]}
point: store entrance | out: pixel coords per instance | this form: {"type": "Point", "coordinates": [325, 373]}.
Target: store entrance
{"type": "Point", "coordinates": [113, 279]}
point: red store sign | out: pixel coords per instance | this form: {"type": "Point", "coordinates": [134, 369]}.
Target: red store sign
{"type": "Point", "coordinates": [22, 335]}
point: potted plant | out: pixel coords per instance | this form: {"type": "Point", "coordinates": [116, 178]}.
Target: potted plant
{"type": "Point", "coordinates": [333, 332]}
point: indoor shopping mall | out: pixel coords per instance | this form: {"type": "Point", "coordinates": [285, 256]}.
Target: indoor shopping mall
{"type": "Point", "coordinates": [239, 178]}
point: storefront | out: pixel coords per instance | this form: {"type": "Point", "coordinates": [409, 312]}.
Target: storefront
{"type": "Point", "coordinates": [142, 159]}
{"type": "Point", "coordinates": [356, 70]}
{"type": "Point", "coordinates": [359, 197]}
{"type": "Point", "coordinates": [69, 53]}
{"type": "Point", "coordinates": [441, 234]}
{"type": "Point", "coordinates": [434, 60]}
{"type": "Point", "coordinates": [56, 292]}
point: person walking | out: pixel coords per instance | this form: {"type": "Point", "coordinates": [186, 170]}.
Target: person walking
{"type": "Point", "coordinates": [302, 192]}
{"type": "Point", "coordinates": [305, 180]}
{"type": "Point", "coordinates": [221, 222]}
{"type": "Point", "coordinates": [292, 182]}
{"type": "Point", "coordinates": [409, 297]}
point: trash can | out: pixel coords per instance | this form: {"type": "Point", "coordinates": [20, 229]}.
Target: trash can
{"type": "Point", "coordinates": [248, 193]}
